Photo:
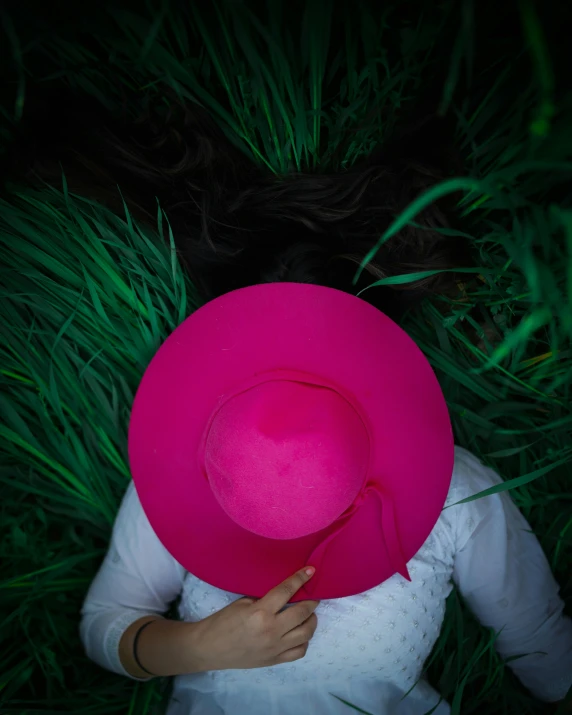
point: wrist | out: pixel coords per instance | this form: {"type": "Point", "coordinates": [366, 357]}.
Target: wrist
{"type": "Point", "coordinates": [176, 650]}
{"type": "Point", "coordinates": [197, 659]}
{"type": "Point", "coordinates": [127, 646]}
{"type": "Point", "coordinates": [164, 648]}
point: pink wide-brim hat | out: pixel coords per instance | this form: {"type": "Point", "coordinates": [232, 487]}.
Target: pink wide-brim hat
{"type": "Point", "coordinates": [289, 424]}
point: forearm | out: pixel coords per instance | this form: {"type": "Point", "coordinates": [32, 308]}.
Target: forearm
{"type": "Point", "coordinates": [164, 648]}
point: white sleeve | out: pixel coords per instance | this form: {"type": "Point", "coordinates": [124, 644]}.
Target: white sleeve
{"type": "Point", "coordinates": [138, 577]}
{"type": "Point", "coordinates": [503, 574]}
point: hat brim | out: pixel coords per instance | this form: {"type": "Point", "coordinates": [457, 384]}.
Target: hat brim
{"type": "Point", "coordinates": [311, 329]}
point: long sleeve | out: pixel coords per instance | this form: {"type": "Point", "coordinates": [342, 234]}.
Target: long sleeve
{"type": "Point", "coordinates": [138, 577]}
{"type": "Point", "coordinates": [504, 576]}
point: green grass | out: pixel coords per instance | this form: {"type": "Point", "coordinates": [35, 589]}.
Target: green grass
{"type": "Point", "coordinates": [91, 297]}
{"type": "Point", "coordinates": [87, 296]}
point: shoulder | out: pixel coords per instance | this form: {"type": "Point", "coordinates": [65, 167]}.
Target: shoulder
{"type": "Point", "coordinates": [135, 541]}
{"type": "Point", "coordinates": [470, 477]}
{"type": "Point", "coordinates": [131, 523]}
{"type": "Point", "coordinates": [130, 510]}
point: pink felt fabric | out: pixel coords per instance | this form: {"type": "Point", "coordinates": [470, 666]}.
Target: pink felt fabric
{"type": "Point", "coordinates": [215, 365]}
{"type": "Point", "coordinates": [285, 459]}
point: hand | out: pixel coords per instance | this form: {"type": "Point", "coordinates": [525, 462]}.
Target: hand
{"type": "Point", "coordinates": [254, 633]}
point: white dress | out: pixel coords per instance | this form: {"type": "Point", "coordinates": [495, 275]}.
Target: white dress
{"type": "Point", "coordinates": [368, 649]}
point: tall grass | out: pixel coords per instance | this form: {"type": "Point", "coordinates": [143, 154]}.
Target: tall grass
{"type": "Point", "coordinates": [87, 296]}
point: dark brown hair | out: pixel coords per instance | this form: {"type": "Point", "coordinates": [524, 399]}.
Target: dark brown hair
{"type": "Point", "coordinates": [236, 224]}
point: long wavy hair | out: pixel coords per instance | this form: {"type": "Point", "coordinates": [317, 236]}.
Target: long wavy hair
{"type": "Point", "coordinates": [236, 224]}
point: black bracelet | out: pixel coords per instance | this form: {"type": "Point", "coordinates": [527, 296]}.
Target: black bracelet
{"type": "Point", "coordinates": [135, 656]}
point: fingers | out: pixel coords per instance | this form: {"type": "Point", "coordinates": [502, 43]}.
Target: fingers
{"type": "Point", "coordinates": [297, 641]}
{"type": "Point", "coordinates": [295, 615]}
{"type": "Point", "coordinates": [300, 635]}
{"type": "Point", "coordinates": [279, 596]}
{"type": "Point", "coordinates": [247, 600]}
{"type": "Point", "coordinates": [293, 654]}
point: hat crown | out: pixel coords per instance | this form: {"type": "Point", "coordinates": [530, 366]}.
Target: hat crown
{"type": "Point", "coordinates": [286, 458]}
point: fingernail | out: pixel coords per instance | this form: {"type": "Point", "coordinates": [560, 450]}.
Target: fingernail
{"type": "Point", "coordinates": [310, 571]}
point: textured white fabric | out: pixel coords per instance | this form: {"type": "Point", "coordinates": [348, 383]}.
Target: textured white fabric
{"type": "Point", "coordinates": [368, 649]}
